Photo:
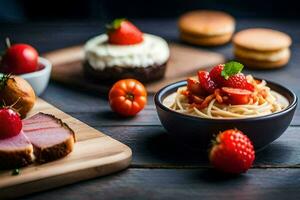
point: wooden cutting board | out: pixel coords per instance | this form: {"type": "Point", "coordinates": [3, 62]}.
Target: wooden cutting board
{"type": "Point", "coordinates": [184, 61]}
{"type": "Point", "coordinates": [95, 154]}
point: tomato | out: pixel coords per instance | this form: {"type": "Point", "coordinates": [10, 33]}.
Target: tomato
{"type": "Point", "coordinates": [237, 96]}
{"type": "Point", "coordinates": [194, 87]}
{"type": "Point", "coordinates": [127, 97]}
{"type": "Point", "coordinates": [10, 123]}
{"type": "Point", "coordinates": [19, 59]}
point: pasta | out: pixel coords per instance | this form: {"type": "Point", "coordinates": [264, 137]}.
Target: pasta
{"type": "Point", "coordinates": [263, 101]}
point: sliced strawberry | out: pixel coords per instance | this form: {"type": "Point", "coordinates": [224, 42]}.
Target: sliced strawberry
{"type": "Point", "coordinates": [215, 74]}
{"type": "Point", "coordinates": [123, 32]}
{"type": "Point", "coordinates": [237, 96]}
{"type": "Point", "coordinates": [194, 87]}
{"type": "Point", "coordinates": [206, 82]}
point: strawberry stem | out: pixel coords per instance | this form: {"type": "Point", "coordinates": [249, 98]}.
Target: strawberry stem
{"type": "Point", "coordinates": [114, 25]}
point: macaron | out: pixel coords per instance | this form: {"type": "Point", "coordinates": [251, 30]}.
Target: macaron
{"type": "Point", "coordinates": [262, 48]}
{"type": "Point", "coordinates": [206, 27]}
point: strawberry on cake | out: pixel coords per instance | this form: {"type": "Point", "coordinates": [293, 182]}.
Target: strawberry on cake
{"type": "Point", "coordinates": [125, 52]}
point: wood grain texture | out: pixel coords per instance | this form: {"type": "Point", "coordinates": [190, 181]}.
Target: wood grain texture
{"type": "Point", "coordinates": [184, 184]}
{"type": "Point", "coordinates": [146, 136]}
{"type": "Point", "coordinates": [95, 154]}
{"type": "Point", "coordinates": [184, 61]}
{"type": "Point", "coordinates": [153, 148]}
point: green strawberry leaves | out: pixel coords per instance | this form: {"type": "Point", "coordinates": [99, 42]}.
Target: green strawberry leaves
{"type": "Point", "coordinates": [114, 25]}
{"type": "Point", "coordinates": [231, 68]}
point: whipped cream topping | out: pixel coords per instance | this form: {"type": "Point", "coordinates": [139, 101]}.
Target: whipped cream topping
{"type": "Point", "coordinates": [272, 56]}
{"type": "Point", "coordinates": [152, 51]}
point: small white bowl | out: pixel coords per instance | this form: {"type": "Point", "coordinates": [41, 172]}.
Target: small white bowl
{"type": "Point", "coordinates": [39, 79]}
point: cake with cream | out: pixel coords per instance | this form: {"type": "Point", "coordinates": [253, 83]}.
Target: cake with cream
{"type": "Point", "coordinates": [125, 52]}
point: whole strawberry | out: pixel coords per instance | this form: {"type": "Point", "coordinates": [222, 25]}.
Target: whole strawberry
{"type": "Point", "coordinates": [232, 152]}
{"type": "Point", "coordinates": [10, 123]}
{"type": "Point", "coordinates": [229, 75]}
{"type": "Point", "coordinates": [123, 32]}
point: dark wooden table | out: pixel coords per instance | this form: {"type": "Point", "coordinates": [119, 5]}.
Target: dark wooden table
{"type": "Point", "coordinates": [160, 169]}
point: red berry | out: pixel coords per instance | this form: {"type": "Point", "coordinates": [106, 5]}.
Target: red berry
{"type": "Point", "coordinates": [10, 123]}
{"type": "Point", "coordinates": [194, 87]}
{"type": "Point", "coordinates": [206, 82]}
{"type": "Point", "coordinates": [123, 32]}
{"type": "Point", "coordinates": [238, 81]}
{"type": "Point", "coordinates": [237, 96]}
{"type": "Point", "coordinates": [215, 75]}
{"type": "Point", "coordinates": [19, 59]}
{"type": "Point", "coordinates": [232, 152]}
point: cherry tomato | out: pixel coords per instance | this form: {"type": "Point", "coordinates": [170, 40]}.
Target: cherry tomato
{"type": "Point", "coordinates": [237, 96]}
{"type": "Point", "coordinates": [10, 123]}
{"type": "Point", "coordinates": [194, 87]}
{"type": "Point", "coordinates": [127, 97]}
{"type": "Point", "coordinates": [19, 59]}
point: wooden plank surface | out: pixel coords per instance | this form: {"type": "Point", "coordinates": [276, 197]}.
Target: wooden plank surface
{"type": "Point", "coordinates": [276, 173]}
{"type": "Point", "coordinates": [95, 154]}
{"type": "Point", "coordinates": [184, 184]}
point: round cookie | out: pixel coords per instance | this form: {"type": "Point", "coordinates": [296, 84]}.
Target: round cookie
{"type": "Point", "coordinates": [206, 41]}
{"type": "Point", "coordinates": [262, 48]}
{"type": "Point", "coordinates": [206, 27]}
{"type": "Point", "coordinates": [261, 39]}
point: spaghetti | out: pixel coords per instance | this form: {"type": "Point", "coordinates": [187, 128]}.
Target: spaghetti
{"type": "Point", "coordinates": [263, 101]}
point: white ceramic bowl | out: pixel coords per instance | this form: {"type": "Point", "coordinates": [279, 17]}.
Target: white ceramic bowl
{"type": "Point", "coordinates": [39, 79]}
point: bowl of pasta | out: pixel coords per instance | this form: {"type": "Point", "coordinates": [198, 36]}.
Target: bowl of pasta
{"type": "Point", "coordinates": [197, 109]}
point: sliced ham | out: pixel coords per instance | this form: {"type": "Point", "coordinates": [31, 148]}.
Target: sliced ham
{"type": "Point", "coordinates": [50, 137]}
{"type": "Point", "coordinates": [43, 138]}
{"type": "Point", "coordinates": [15, 152]}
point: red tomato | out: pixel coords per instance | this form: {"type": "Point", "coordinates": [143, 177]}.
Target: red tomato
{"type": "Point", "coordinates": [10, 123]}
{"type": "Point", "coordinates": [237, 96]}
{"type": "Point", "coordinates": [194, 87]}
{"type": "Point", "coordinates": [127, 97]}
{"type": "Point", "coordinates": [19, 59]}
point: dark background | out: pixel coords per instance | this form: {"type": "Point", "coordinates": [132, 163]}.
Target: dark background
{"type": "Point", "coordinates": [57, 10]}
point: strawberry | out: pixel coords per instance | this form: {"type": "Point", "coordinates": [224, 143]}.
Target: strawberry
{"type": "Point", "coordinates": [237, 96]}
{"type": "Point", "coordinates": [238, 81]}
{"type": "Point", "coordinates": [232, 152]}
{"type": "Point", "coordinates": [193, 85]}
{"type": "Point", "coordinates": [123, 32]}
{"type": "Point", "coordinates": [215, 74]}
{"type": "Point", "coordinates": [206, 82]}
{"type": "Point", "coordinates": [228, 75]}
{"type": "Point", "coordinates": [10, 123]}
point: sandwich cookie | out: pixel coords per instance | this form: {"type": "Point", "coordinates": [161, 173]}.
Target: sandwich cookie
{"type": "Point", "coordinates": [262, 48]}
{"type": "Point", "coordinates": [206, 27]}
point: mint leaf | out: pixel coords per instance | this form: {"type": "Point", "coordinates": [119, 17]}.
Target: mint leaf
{"type": "Point", "coordinates": [231, 68]}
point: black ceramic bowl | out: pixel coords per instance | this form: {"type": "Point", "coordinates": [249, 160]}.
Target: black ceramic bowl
{"type": "Point", "coordinates": [198, 132]}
